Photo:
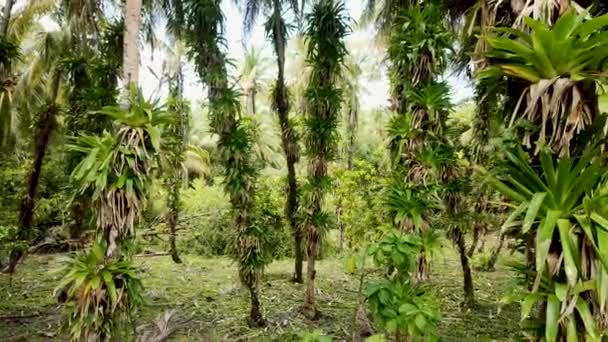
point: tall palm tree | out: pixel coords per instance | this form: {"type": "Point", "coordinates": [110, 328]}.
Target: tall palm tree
{"type": "Point", "coordinates": [352, 87]}
{"type": "Point", "coordinates": [328, 25]}
{"type": "Point", "coordinates": [417, 45]}
{"type": "Point", "coordinates": [45, 85]}
{"type": "Point", "coordinates": [19, 25]}
{"type": "Point", "coordinates": [200, 24]}
{"type": "Point", "coordinates": [252, 77]}
{"type": "Point", "coordinates": [277, 31]}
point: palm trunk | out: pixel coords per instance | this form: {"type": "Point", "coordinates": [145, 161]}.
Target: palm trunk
{"type": "Point", "coordinates": [173, 216]}
{"type": "Point", "coordinates": [130, 62]}
{"type": "Point", "coordinates": [469, 295]}
{"type": "Point", "coordinates": [255, 316]}
{"type": "Point", "coordinates": [475, 240]}
{"type": "Point", "coordinates": [78, 210]}
{"type": "Point", "coordinates": [351, 148]}
{"type": "Point", "coordinates": [423, 269]}
{"type": "Point", "coordinates": [310, 310]}
{"type": "Point", "coordinates": [298, 259]}
{"type": "Point", "coordinates": [6, 16]}
{"type": "Point", "coordinates": [288, 141]}
{"type": "Point", "coordinates": [492, 262]}
{"type": "Point", "coordinates": [26, 209]}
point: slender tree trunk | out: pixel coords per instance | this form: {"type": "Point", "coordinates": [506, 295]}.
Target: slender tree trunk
{"type": "Point", "coordinates": [423, 269]}
{"type": "Point", "coordinates": [255, 316]}
{"type": "Point", "coordinates": [469, 294]}
{"type": "Point", "coordinates": [130, 62]}
{"type": "Point", "coordinates": [351, 151]}
{"type": "Point", "coordinates": [492, 262]}
{"type": "Point", "coordinates": [340, 230]}
{"type": "Point", "coordinates": [298, 258]}
{"type": "Point", "coordinates": [6, 16]}
{"type": "Point", "coordinates": [26, 208]}
{"type": "Point", "coordinates": [288, 140]}
{"type": "Point", "coordinates": [78, 210]}
{"type": "Point", "coordinates": [174, 206]}
{"type": "Point", "coordinates": [310, 310]}
{"type": "Point", "coordinates": [475, 240]}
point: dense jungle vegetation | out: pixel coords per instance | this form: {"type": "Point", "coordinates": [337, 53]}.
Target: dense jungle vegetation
{"type": "Point", "coordinates": [277, 201]}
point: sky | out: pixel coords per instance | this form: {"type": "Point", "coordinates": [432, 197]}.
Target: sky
{"type": "Point", "coordinates": [361, 41]}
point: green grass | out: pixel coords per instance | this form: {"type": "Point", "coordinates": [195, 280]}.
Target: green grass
{"type": "Point", "coordinates": [210, 306]}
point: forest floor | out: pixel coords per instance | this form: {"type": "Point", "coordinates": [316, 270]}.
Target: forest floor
{"type": "Point", "coordinates": [208, 304]}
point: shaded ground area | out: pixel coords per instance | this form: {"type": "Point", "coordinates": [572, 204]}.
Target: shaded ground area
{"type": "Point", "coordinates": [209, 305]}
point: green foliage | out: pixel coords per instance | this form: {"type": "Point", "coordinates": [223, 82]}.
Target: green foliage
{"type": "Point", "coordinates": [102, 295]}
{"type": "Point", "coordinates": [398, 306]}
{"type": "Point", "coordinates": [575, 47]}
{"type": "Point", "coordinates": [316, 336]}
{"type": "Point", "coordinates": [560, 65]}
{"type": "Point", "coordinates": [357, 194]}
{"type": "Point", "coordinates": [325, 33]}
{"type": "Point", "coordinates": [417, 44]}
{"type": "Point", "coordinates": [564, 201]}
{"type": "Point", "coordinates": [10, 242]}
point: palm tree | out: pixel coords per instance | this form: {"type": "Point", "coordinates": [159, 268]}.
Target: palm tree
{"type": "Point", "coordinates": [18, 26]}
{"type": "Point", "coordinates": [130, 62]}
{"type": "Point", "coordinates": [351, 85]}
{"type": "Point", "coordinates": [277, 30]}
{"type": "Point", "coordinates": [45, 85]}
{"type": "Point", "coordinates": [328, 25]}
{"type": "Point", "coordinates": [115, 170]}
{"type": "Point", "coordinates": [199, 23]}
{"type": "Point", "coordinates": [252, 77]}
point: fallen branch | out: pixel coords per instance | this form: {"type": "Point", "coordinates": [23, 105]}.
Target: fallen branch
{"type": "Point", "coordinates": [17, 317]}
{"type": "Point", "coordinates": [152, 254]}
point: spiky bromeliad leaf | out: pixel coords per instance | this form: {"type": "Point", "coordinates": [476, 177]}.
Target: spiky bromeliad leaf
{"type": "Point", "coordinates": [564, 207]}
{"type": "Point", "coordinates": [115, 169]}
{"type": "Point", "coordinates": [101, 294]}
{"type": "Point", "coordinates": [556, 62]}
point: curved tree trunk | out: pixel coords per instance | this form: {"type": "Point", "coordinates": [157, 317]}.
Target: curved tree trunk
{"type": "Point", "coordinates": [46, 124]}
{"type": "Point", "coordinates": [492, 262]}
{"type": "Point", "coordinates": [288, 139]}
{"type": "Point", "coordinates": [130, 61]}
{"type": "Point", "coordinates": [469, 294]}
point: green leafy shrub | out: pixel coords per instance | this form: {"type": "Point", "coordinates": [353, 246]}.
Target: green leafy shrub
{"type": "Point", "coordinates": [398, 306]}
{"type": "Point", "coordinates": [102, 295]}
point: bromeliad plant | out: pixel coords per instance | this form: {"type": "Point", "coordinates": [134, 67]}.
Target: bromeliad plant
{"type": "Point", "coordinates": [398, 306]}
{"type": "Point", "coordinates": [559, 66]}
{"type": "Point", "coordinates": [328, 25]}
{"type": "Point", "coordinates": [564, 204]}
{"type": "Point", "coordinates": [102, 295]}
{"type": "Point", "coordinates": [114, 171]}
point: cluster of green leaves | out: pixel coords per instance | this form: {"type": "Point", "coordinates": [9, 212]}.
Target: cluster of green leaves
{"type": "Point", "coordinates": [10, 242]}
{"type": "Point", "coordinates": [399, 306]}
{"type": "Point", "coordinates": [563, 203]}
{"type": "Point", "coordinates": [102, 295]}
{"type": "Point", "coordinates": [417, 47]}
{"type": "Point", "coordinates": [356, 193]}
{"type": "Point", "coordinates": [559, 64]}
{"type": "Point", "coordinates": [574, 47]}
{"type": "Point", "coordinates": [328, 25]}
